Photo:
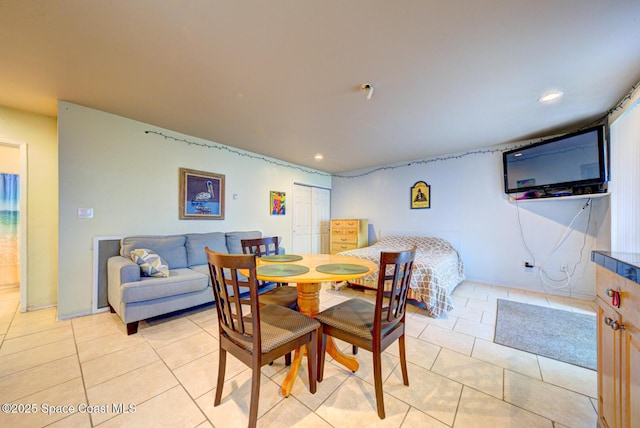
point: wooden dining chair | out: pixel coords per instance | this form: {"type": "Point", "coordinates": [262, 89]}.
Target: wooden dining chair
{"type": "Point", "coordinates": [282, 294]}
{"type": "Point", "coordinates": [374, 326]}
{"type": "Point", "coordinates": [253, 333]}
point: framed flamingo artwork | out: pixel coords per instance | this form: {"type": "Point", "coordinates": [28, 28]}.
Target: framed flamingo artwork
{"type": "Point", "coordinates": [201, 195]}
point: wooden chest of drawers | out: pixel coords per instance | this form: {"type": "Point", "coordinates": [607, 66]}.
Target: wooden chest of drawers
{"type": "Point", "coordinates": [348, 234]}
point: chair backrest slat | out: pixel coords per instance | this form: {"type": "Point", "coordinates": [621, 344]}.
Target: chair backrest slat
{"type": "Point", "coordinates": [394, 278]}
{"type": "Point", "coordinates": [265, 246]}
{"type": "Point", "coordinates": [238, 317]}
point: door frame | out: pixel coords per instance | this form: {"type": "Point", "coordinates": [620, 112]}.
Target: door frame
{"type": "Point", "coordinates": [22, 227]}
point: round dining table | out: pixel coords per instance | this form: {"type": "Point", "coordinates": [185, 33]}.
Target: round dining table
{"type": "Point", "coordinates": [308, 272]}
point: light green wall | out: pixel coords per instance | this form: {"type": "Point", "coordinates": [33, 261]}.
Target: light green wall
{"type": "Point", "coordinates": [39, 134]}
{"type": "Point", "coordinates": [130, 179]}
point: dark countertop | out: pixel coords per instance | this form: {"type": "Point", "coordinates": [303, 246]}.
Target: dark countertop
{"type": "Point", "coordinates": [626, 265]}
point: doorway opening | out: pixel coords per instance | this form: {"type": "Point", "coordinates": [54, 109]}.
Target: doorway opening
{"type": "Point", "coordinates": [13, 248]}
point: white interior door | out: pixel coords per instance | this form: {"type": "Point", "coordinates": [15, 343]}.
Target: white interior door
{"type": "Point", "coordinates": [301, 219]}
{"type": "Point", "coordinates": [320, 220]}
{"type": "Point", "coordinates": [311, 219]}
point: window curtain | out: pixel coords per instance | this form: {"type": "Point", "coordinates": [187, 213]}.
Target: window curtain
{"type": "Point", "coordinates": [625, 181]}
{"type": "Point", "coordinates": [9, 218]}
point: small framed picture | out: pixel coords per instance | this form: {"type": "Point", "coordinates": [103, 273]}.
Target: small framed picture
{"type": "Point", "coordinates": [201, 195]}
{"type": "Point", "coordinates": [420, 195]}
{"type": "Point", "coordinates": [278, 204]}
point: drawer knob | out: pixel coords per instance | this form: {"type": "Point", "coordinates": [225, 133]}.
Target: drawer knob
{"type": "Point", "coordinates": [615, 297]}
{"type": "Point", "coordinates": [615, 325]}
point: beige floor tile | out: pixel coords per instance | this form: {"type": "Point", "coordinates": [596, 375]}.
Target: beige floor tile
{"type": "Point", "coordinates": [188, 349]}
{"type": "Point", "coordinates": [478, 410]}
{"type": "Point", "coordinates": [471, 291]}
{"type": "Point", "coordinates": [173, 408]}
{"type": "Point", "coordinates": [428, 392]}
{"type": "Point", "coordinates": [474, 328]}
{"type": "Point", "coordinates": [236, 398]}
{"type": "Point", "coordinates": [489, 305]}
{"type": "Point", "coordinates": [462, 343]}
{"type": "Point", "coordinates": [77, 420]}
{"type": "Point", "coordinates": [47, 406]}
{"type": "Point", "coordinates": [291, 413]}
{"type": "Point", "coordinates": [472, 314]}
{"type": "Point", "coordinates": [354, 405]}
{"type": "Point", "coordinates": [418, 352]}
{"type": "Point", "coordinates": [164, 333]}
{"type": "Point", "coordinates": [417, 419]}
{"type": "Point", "coordinates": [210, 326]}
{"type": "Point", "coordinates": [200, 376]}
{"type": "Point", "coordinates": [480, 375]}
{"type": "Point", "coordinates": [549, 401]}
{"type": "Point", "coordinates": [117, 363]}
{"type": "Point", "coordinates": [574, 378]}
{"type": "Point", "coordinates": [104, 325]}
{"type": "Point", "coordinates": [7, 316]}
{"type": "Point", "coordinates": [134, 387]}
{"type": "Point", "coordinates": [333, 377]}
{"type": "Point", "coordinates": [35, 340]}
{"type": "Point", "coordinates": [94, 320]}
{"type": "Point", "coordinates": [459, 301]}
{"type": "Point", "coordinates": [32, 357]}
{"type": "Point", "coordinates": [204, 315]}
{"type": "Point", "coordinates": [414, 326]}
{"type": "Point", "coordinates": [169, 371]}
{"type": "Point", "coordinates": [508, 358]}
{"type": "Point", "coordinates": [445, 321]}
{"type": "Point", "coordinates": [25, 323]}
{"type": "Point", "coordinates": [365, 371]}
{"type": "Point", "coordinates": [489, 318]}
{"type": "Point", "coordinates": [27, 382]}
{"type": "Point", "coordinates": [107, 344]}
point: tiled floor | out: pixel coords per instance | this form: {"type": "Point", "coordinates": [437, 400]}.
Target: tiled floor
{"type": "Point", "coordinates": [167, 372]}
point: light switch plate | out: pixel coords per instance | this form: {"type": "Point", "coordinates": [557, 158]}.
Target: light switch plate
{"type": "Point", "coordinates": [85, 212]}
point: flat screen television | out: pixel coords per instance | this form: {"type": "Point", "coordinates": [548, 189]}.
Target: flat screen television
{"type": "Point", "coordinates": [575, 163]}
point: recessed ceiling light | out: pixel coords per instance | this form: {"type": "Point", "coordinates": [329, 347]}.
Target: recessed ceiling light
{"type": "Point", "coordinates": [550, 96]}
{"type": "Point", "coordinates": [318, 157]}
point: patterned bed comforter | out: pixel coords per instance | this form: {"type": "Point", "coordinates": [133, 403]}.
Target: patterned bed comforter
{"type": "Point", "coordinates": [437, 269]}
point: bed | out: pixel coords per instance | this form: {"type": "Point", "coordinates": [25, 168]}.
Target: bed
{"type": "Point", "coordinates": [437, 270]}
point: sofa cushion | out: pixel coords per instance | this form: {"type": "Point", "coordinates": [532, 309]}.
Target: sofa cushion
{"type": "Point", "coordinates": [180, 281]}
{"type": "Point", "coordinates": [196, 243]}
{"type": "Point", "coordinates": [234, 244]}
{"type": "Point", "coordinates": [171, 248]}
{"type": "Point", "coordinates": [151, 264]}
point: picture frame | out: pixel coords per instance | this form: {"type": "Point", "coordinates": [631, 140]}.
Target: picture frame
{"type": "Point", "coordinates": [201, 195]}
{"type": "Point", "coordinates": [277, 202]}
{"type": "Point", "coordinates": [420, 195]}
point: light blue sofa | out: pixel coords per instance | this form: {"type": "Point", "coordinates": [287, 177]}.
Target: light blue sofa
{"type": "Point", "coordinates": [135, 297]}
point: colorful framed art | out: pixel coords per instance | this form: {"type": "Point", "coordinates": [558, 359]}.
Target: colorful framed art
{"type": "Point", "coordinates": [201, 195]}
{"type": "Point", "coordinates": [278, 203]}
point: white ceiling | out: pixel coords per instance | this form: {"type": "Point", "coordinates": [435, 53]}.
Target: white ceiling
{"type": "Point", "coordinates": [282, 77]}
